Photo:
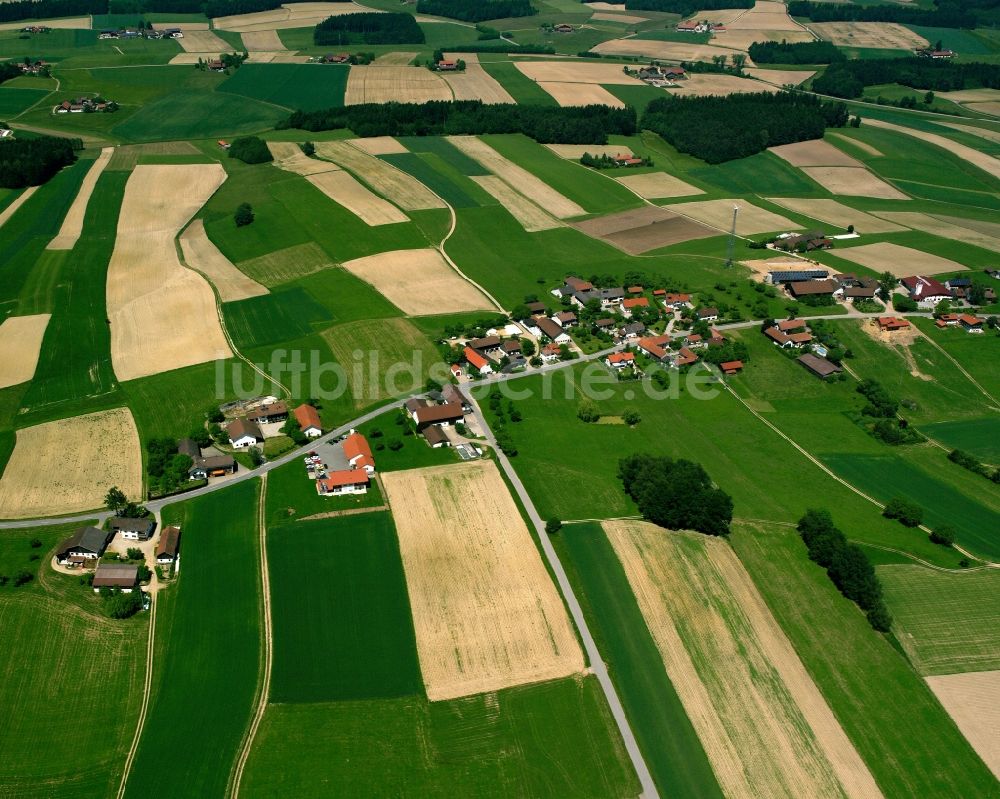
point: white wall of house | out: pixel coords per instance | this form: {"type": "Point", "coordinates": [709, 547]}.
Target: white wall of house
{"type": "Point", "coordinates": [245, 441]}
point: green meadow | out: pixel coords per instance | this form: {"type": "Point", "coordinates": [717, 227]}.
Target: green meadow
{"type": "Point", "coordinates": [291, 496]}
{"type": "Point", "coordinates": [306, 87]}
{"type": "Point", "coordinates": [980, 437]}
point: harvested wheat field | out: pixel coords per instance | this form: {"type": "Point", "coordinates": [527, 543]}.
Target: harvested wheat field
{"type": "Point", "coordinates": [835, 213]}
{"type": "Point", "coordinates": [663, 51]}
{"type": "Point", "coordinates": [289, 156]}
{"type": "Point", "coordinates": [20, 342]}
{"type": "Point", "coordinates": [126, 156]}
{"type": "Point", "coordinates": [343, 189]}
{"type": "Point", "coordinates": [979, 225]}
{"type": "Point", "coordinates": [67, 466]}
{"type": "Point", "coordinates": [608, 224]}
{"type": "Point", "coordinates": [395, 59]}
{"type": "Point", "coordinates": [486, 613]}
{"type": "Point", "coordinates": [993, 108]}
{"type": "Point", "coordinates": [863, 146]}
{"type": "Point", "coordinates": [878, 35]}
{"type": "Point", "coordinates": [379, 145]}
{"type": "Point", "coordinates": [606, 6]}
{"type": "Point", "coordinates": [190, 59]}
{"type": "Point", "coordinates": [985, 162]}
{"type": "Point", "coordinates": [973, 702]}
{"type": "Point", "coordinates": [149, 290]}
{"type": "Point", "coordinates": [575, 151]}
{"type": "Point", "coordinates": [287, 264]}
{"type": "Point", "coordinates": [72, 226]}
{"type": "Point", "coordinates": [518, 178]}
{"type": "Point", "coordinates": [201, 254]}
{"type": "Point", "coordinates": [73, 23]}
{"type": "Point", "coordinates": [293, 15]}
{"type": "Point", "coordinates": [939, 226]}
{"type": "Point", "coordinates": [576, 94]}
{"type": "Point", "coordinates": [262, 40]}
{"type": "Point", "coordinates": [972, 95]}
{"type": "Point", "coordinates": [576, 72]}
{"type": "Point", "coordinates": [530, 216]}
{"type": "Point", "coordinates": [707, 85]}
{"type": "Point", "coordinates": [765, 727]}
{"type": "Point", "coordinates": [741, 39]}
{"type": "Point", "coordinates": [815, 152]}
{"type": "Point", "coordinates": [20, 200]}
{"type": "Point", "coordinates": [657, 185]}
{"type": "Point", "coordinates": [644, 229]}
{"type": "Point", "coordinates": [395, 185]}
{"type": "Point", "coordinates": [204, 42]}
{"type": "Point", "coordinates": [781, 77]}
{"type": "Point", "coordinates": [719, 214]}
{"type": "Point", "coordinates": [418, 282]}
{"type": "Point", "coordinates": [475, 83]}
{"type": "Point", "coordinates": [901, 261]}
{"type": "Point", "coordinates": [853, 181]}
{"type": "Point", "coordinates": [380, 84]}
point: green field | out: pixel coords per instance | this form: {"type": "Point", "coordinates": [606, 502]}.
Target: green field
{"type": "Point", "coordinates": [553, 740]}
{"type": "Point", "coordinates": [306, 87]}
{"type": "Point", "coordinates": [15, 101]}
{"type": "Point", "coordinates": [946, 622]}
{"type": "Point", "coordinates": [977, 354]}
{"type": "Point", "coordinates": [909, 743]}
{"type": "Point", "coordinates": [271, 318]}
{"type": "Point", "coordinates": [346, 298]}
{"type": "Point", "coordinates": [431, 170]}
{"type": "Point", "coordinates": [981, 437]}
{"type": "Point", "coordinates": [342, 626]}
{"type": "Point", "coordinates": [208, 649]}
{"type": "Point", "coordinates": [291, 496]}
{"type": "Point", "coordinates": [522, 88]}
{"type": "Point", "coordinates": [669, 744]}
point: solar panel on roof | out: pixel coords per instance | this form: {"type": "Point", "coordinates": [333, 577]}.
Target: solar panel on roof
{"type": "Point", "coordinates": [794, 276]}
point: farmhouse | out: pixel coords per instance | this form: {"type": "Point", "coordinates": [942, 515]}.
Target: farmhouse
{"type": "Point", "coordinates": [865, 291]}
{"type": "Point", "coordinates": [631, 304]}
{"type": "Point", "coordinates": [550, 352]}
{"type": "Point", "coordinates": [133, 529]}
{"type": "Point", "coordinates": [359, 453]}
{"type": "Point", "coordinates": [947, 320]}
{"type": "Point", "coordinates": [971, 324]}
{"type": "Point", "coordinates": [535, 307]}
{"type": "Point", "coordinates": [684, 357]}
{"type": "Point", "coordinates": [562, 27]}
{"type": "Point", "coordinates": [435, 437]}
{"type": "Point", "coordinates": [336, 58]}
{"type": "Point", "coordinates": [791, 325]}
{"type": "Point", "coordinates": [123, 576]}
{"type": "Point", "coordinates": [511, 348]}
{"type": "Point", "coordinates": [925, 290]}
{"type": "Point", "coordinates": [890, 324]}
{"type": "Point", "coordinates": [309, 422]}
{"type": "Point", "coordinates": [604, 324]}
{"type": "Point", "coordinates": [486, 344]}
{"type": "Point", "coordinates": [814, 288]}
{"type": "Point", "coordinates": [244, 433]}
{"type": "Point", "coordinates": [785, 340]}
{"type": "Point", "coordinates": [443, 415]}
{"type": "Point", "coordinates": [212, 466]}
{"type": "Point", "coordinates": [86, 543]}
{"type": "Point", "coordinates": [265, 414]}
{"type": "Point", "coordinates": [676, 301]}
{"type": "Point", "coordinates": [707, 314]}
{"type": "Point", "coordinates": [168, 546]}
{"type": "Point", "coordinates": [347, 481]}
{"type": "Point", "coordinates": [731, 367]}
{"type": "Point", "coordinates": [803, 242]}
{"type": "Point", "coordinates": [620, 360]}
{"type": "Point", "coordinates": [453, 395]}
{"type": "Point", "coordinates": [552, 330]}
{"type": "Point", "coordinates": [565, 319]}
{"type": "Point", "coordinates": [820, 367]}
{"type": "Point", "coordinates": [632, 330]}
{"type": "Point", "coordinates": [477, 361]}
{"type": "Point", "coordinates": [655, 346]}
{"type": "Point", "coordinates": [447, 66]}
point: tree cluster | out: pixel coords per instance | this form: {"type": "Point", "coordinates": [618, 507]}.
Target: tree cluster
{"type": "Point", "coordinates": [32, 162]}
{"type": "Point", "coordinates": [677, 494]}
{"type": "Point", "coordinates": [729, 350]}
{"type": "Point", "coordinates": [605, 161]}
{"type": "Point", "coordinates": [476, 12]}
{"type": "Point", "coordinates": [243, 215]}
{"type": "Point", "coordinates": [783, 52]}
{"type": "Point", "coordinates": [9, 70]}
{"type": "Point", "coordinates": [504, 412]}
{"type": "Point", "coordinates": [849, 78]}
{"type": "Point", "coordinates": [166, 467]}
{"type": "Point", "coordinates": [500, 46]}
{"type": "Point", "coordinates": [222, 8]}
{"type": "Point", "coordinates": [49, 9]}
{"type": "Point", "coordinates": [968, 461]}
{"type": "Point", "coordinates": [946, 15]}
{"type": "Point", "coordinates": [116, 500]}
{"type": "Point", "coordinates": [718, 129]}
{"type": "Point", "coordinates": [548, 125]}
{"type": "Point", "coordinates": [846, 564]}
{"type": "Point", "coordinates": [909, 514]}
{"type": "Point", "coordinates": [250, 150]}
{"type": "Point", "coordinates": [369, 29]}
{"type": "Point", "coordinates": [882, 407]}
{"type": "Point", "coordinates": [685, 7]}
{"type": "Point", "coordinates": [119, 605]}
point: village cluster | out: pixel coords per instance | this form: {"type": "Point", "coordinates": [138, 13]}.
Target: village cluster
{"type": "Point", "coordinates": [141, 33]}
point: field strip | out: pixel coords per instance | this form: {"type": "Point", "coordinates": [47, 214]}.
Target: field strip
{"type": "Point", "coordinates": [75, 23]}
{"type": "Point", "coordinates": [658, 185]}
{"type": "Point", "coordinates": [578, 94]}
{"type": "Point", "coordinates": [345, 190]}
{"type": "Point", "coordinates": [938, 226]}
{"type": "Point", "coordinates": [765, 726]}
{"type": "Point", "coordinates": [11, 209]}
{"type": "Point", "coordinates": [20, 344]}
{"type": "Point", "coordinates": [267, 655]}
{"type": "Point", "coordinates": [72, 225]}
{"type": "Point", "coordinates": [816, 152]}
{"type": "Point", "coordinates": [884, 256]}
{"type": "Point", "coordinates": [203, 256]}
{"type": "Point", "coordinates": [985, 162]}
{"type": "Point", "coordinates": [960, 368]}
{"type": "Point", "coordinates": [530, 216]}
{"type": "Point", "coordinates": [863, 146]}
{"type": "Point", "coordinates": [379, 145]}
{"type": "Point", "coordinates": [266, 41]}
{"type": "Point", "coordinates": [519, 179]}
{"type": "Point", "coordinates": [973, 702]}
{"type": "Point", "coordinates": [204, 42]}
{"type": "Point", "coordinates": [836, 213]}
{"type": "Point", "coordinates": [475, 83]}
{"type": "Point", "coordinates": [983, 133]}
{"type": "Point", "coordinates": [853, 182]}
{"type": "Point", "coordinates": [288, 155]}
{"type": "Point", "coordinates": [399, 84]}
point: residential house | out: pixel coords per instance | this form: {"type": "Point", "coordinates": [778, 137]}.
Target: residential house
{"type": "Point", "coordinates": [86, 543]}
{"type": "Point", "coordinates": [443, 415]}
{"type": "Point", "coordinates": [123, 576]}
{"type": "Point", "coordinates": [634, 291]}
{"type": "Point", "coordinates": [265, 414]}
{"type": "Point", "coordinates": [632, 330]}
{"type": "Point", "coordinates": [791, 325]}
{"type": "Point", "coordinates": [604, 324]}
{"type": "Point", "coordinates": [629, 305]}
{"type": "Point", "coordinates": [689, 26]}
{"type": "Point", "coordinates": [565, 319]}
{"type": "Point", "coordinates": [695, 341]}
{"type": "Point", "coordinates": [576, 284]}
{"type": "Point", "coordinates": [890, 324]}
{"type": "Point", "coordinates": [447, 66]}
{"type": "Point", "coordinates": [947, 320]}
{"type": "Point", "coordinates": [550, 352]}
{"type": "Point", "coordinates": [552, 330]}
{"type": "Point", "coordinates": [820, 367]}
{"type": "Point", "coordinates": [620, 360]}
{"type": "Point", "coordinates": [168, 547]}
{"type": "Point", "coordinates": [867, 291]}
{"type": "Point", "coordinates": [244, 433]}
{"type": "Point", "coordinates": [309, 422]}
{"type": "Point", "coordinates": [133, 529]}
{"type": "Point", "coordinates": [212, 466]}
{"type": "Point", "coordinates": [345, 481]}
{"type": "Point", "coordinates": [477, 361]}
{"type": "Point", "coordinates": [788, 340]}
{"type": "Point", "coordinates": [453, 396]}
{"type": "Point", "coordinates": [676, 301]}
{"type": "Point", "coordinates": [926, 290]}
{"type": "Point", "coordinates": [413, 404]}
{"type": "Point", "coordinates": [731, 367]}
{"type": "Point", "coordinates": [358, 453]}
{"type": "Point", "coordinates": [627, 159]}
{"type": "Point", "coordinates": [654, 346]}
{"type": "Point", "coordinates": [436, 437]}
{"type": "Point", "coordinates": [684, 357]}
{"type": "Point", "coordinates": [707, 314]}
{"type": "Point", "coordinates": [971, 324]}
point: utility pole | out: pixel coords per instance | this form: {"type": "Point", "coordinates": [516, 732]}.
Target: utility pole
{"type": "Point", "coordinates": [731, 245]}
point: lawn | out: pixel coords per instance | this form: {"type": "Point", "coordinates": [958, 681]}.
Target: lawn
{"type": "Point", "coordinates": [281, 315]}
{"type": "Point", "coordinates": [342, 625]}
{"type": "Point", "coordinates": [900, 730]}
{"type": "Point", "coordinates": [306, 87]}
{"type": "Point", "coordinates": [14, 101]}
{"type": "Point", "coordinates": [978, 355]}
{"type": "Point", "coordinates": [555, 740]}
{"type": "Point", "coordinates": [669, 744]}
{"type": "Point", "coordinates": [291, 496]}
{"type": "Point", "coordinates": [209, 652]}
{"type": "Point", "coordinates": [414, 453]}
{"type": "Point", "coordinates": [981, 437]}
{"type": "Point", "coordinates": [946, 622]}
{"type": "Point", "coordinates": [522, 88]}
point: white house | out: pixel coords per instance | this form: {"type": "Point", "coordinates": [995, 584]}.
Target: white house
{"type": "Point", "coordinates": [346, 481]}
{"type": "Point", "coordinates": [309, 422]}
{"type": "Point", "coordinates": [244, 433]}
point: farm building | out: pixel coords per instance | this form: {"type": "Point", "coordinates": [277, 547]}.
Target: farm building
{"type": "Point", "coordinates": [133, 529]}
{"type": "Point", "coordinates": [565, 319]}
{"type": "Point", "coordinates": [486, 344]}
{"type": "Point", "coordinates": [477, 361]}
{"type": "Point", "coordinates": [347, 481]}
{"type": "Point", "coordinates": [654, 346]}
{"type": "Point", "coordinates": [275, 412]}
{"type": "Point", "coordinates": [435, 437]}
{"type": "Point", "coordinates": [123, 576]}
{"type": "Point", "coordinates": [453, 395]}
{"type": "Point", "coordinates": [511, 348]}
{"type": "Point", "coordinates": [684, 357]}
{"type": "Point", "coordinates": [212, 466]}
{"type": "Point", "coordinates": [707, 314]}
{"type": "Point", "coordinates": [926, 290]}
{"type": "Point", "coordinates": [731, 367]}
{"type": "Point", "coordinates": [620, 360]}
{"type": "Point", "coordinates": [788, 340]}
{"type": "Point", "coordinates": [86, 543]}
{"type": "Point", "coordinates": [442, 415]}
{"type": "Point", "coordinates": [169, 545]}
{"type": "Point", "coordinates": [359, 453]}
{"type": "Point", "coordinates": [552, 330]}
{"type": "Point", "coordinates": [890, 324]}
{"type": "Point", "coordinates": [244, 433]}
{"type": "Point", "coordinates": [820, 367]}
{"type": "Point", "coordinates": [813, 288]}
{"type": "Point", "coordinates": [309, 422]}
{"type": "Point", "coordinates": [796, 276]}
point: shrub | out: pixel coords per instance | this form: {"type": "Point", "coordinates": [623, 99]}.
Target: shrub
{"type": "Point", "coordinates": [22, 577]}
{"type": "Point", "coordinates": [36, 543]}
{"type": "Point", "coordinates": [943, 535]}
{"type": "Point", "coordinates": [553, 526]}
{"type": "Point", "coordinates": [120, 605]}
{"type": "Point", "coordinates": [243, 216]}
{"type": "Point", "coordinates": [587, 411]}
{"type": "Point", "coordinates": [909, 514]}
{"type": "Point", "coordinates": [134, 553]}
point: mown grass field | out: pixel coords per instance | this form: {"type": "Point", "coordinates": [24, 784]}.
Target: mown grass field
{"type": "Point", "coordinates": [431, 170]}
{"type": "Point", "coordinates": [668, 741]}
{"type": "Point", "coordinates": [209, 649]}
{"type": "Point", "coordinates": [306, 87]}
{"type": "Point", "coordinates": [908, 741]}
{"type": "Point", "coordinates": [981, 437]}
{"type": "Point", "coordinates": [554, 740]}
{"type": "Point", "coordinates": [197, 115]}
{"type": "Point", "coordinates": [342, 625]}
{"type": "Point", "coordinates": [946, 622]}
{"type": "Point", "coordinates": [14, 101]}
{"type": "Point", "coordinates": [978, 355]}
{"type": "Point", "coordinates": [272, 318]}
{"type": "Point", "coordinates": [518, 85]}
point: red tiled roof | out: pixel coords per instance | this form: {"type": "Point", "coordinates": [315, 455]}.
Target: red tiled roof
{"type": "Point", "coordinates": [654, 345]}
{"type": "Point", "coordinates": [621, 357]}
{"type": "Point", "coordinates": [637, 302]}
{"type": "Point", "coordinates": [307, 416]}
{"type": "Point", "coordinates": [685, 357]}
{"type": "Point", "coordinates": [356, 446]}
{"type": "Point", "coordinates": [892, 323]}
{"type": "Point", "coordinates": [731, 366]}
{"type": "Point", "coordinates": [920, 286]}
{"type": "Point", "coordinates": [474, 358]}
{"type": "Point", "coordinates": [345, 477]}
{"type": "Point", "coordinates": [790, 324]}
{"type": "Point", "coordinates": [968, 319]}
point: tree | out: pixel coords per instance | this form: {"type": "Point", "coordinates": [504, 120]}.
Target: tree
{"type": "Point", "coordinates": [250, 150]}
{"type": "Point", "coordinates": [115, 499]}
{"type": "Point", "coordinates": [308, 148]}
{"type": "Point", "coordinates": [977, 294]}
{"type": "Point", "coordinates": [903, 303]}
{"type": "Point", "coordinates": [887, 283]}
{"type": "Point", "coordinates": [396, 445]}
{"type": "Point", "coordinates": [631, 417]}
{"type": "Point", "coordinates": [244, 215]}
{"type": "Point", "coordinates": [22, 577]}
{"type": "Point", "coordinates": [35, 543]}
{"type": "Point", "coordinates": [553, 526]}
{"type": "Point", "coordinates": [215, 415]}
{"type": "Point", "coordinates": [928, 98]}
{"type": "Point", "coordinates": [943, 307]}
{"type": "Point", "coordinates": [134, 553]}
{"type": "Point", "coordinates": [909, 514]}
{"type": "Point", "coordinates": [256, 456]}
{"type": "Point", "coordinates": [943, 535]}
{"type": "Point", "coordinates": [587, 411]}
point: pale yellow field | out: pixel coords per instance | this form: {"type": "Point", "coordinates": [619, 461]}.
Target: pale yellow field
{"type": "Point", "coordinates": [418, 282]}
{"type": "Point", "coordinates": [184, 26]}
{"type": "Point", "coordinates": [295, 15]}
{"type": "Point", "coordinates": [575, 151]}
{"type": "Point", "coordinates": [262, 40]}
{"type": "Point", "coordinates": [864, 146]}
{"type": "Point", "coordinates": [901, 261]}
{"type": "Point", "coordinates": [518, 178]}
{"type": "Point", "coordinates": [853, 181]}
{"type": "Point", "coordinates": [742, 39]}
{"type": "Point", "coordinates": [985, 162]}
{"type": "Point", "coordinates": [664, 51]}
{"type": "Point", "coordinates": [287, 264]}
{"type": "Point", "coordinates": [765, 727]}
{"type": "Point", "coordinates": [11, 209]}
{"type": "Point", "coordinates": [20, 342]}
{"type": "Point", "coordinates": [941, 227]}
{"type": "Point", "coordinates": [723, 15]}
{"type": "Point", "coordinates": [379, 145]}
{"type": "Point", "coordinates": [342, 188]}
{"type": "Point", "coordinates": [68, 466]}
{"type": "Point", "coordinates": [126, 156]}
{"type": "Point", "coordinates": [72, 226]}
{"type": "Point", "coordinates": [882, 35]}
{"type": "Point", "coordinates": [188, 59]}
{"type": "Point", "coordinates": [395, 59]}
{"type": "Point", "coordinates": [973, 702]}
{"type": "Point", "coordinates": [719, 214]}
{"type": "Point", "coordinates": [781, 77]}
{"type": "Point", "coordinates": [289, 156]}
{"type": "Point", "coordinates": [204, 42]}
{"type": "Point", "coordinates": [993, 108]}
{"type": "Point", "coordinates": [201, 254]}
{"type": "Point", "coordinates": [395, 185]}
{"type": "Point", "coordinates": [570, 94]}
{"type": "Point", "coordinates": [721, 86]}
{"type": "Point", "coordinates": [576, 72]}
{"type": "Point", "coordinates": [485, 611]}
{"type": "Point", "coordinates": [838, 214]}
{"type": "Point", "coordinates": [382, 84]}
{"type": "Point", "coordinates": [74, 23]}
{"type": "Point", "coordinates": [530, 216]}
{"type": "Point", "coordinates": [814, 153]}
{"type": "Point", "coordinates": [972, 95]}
{"type": "Point", "coordinates": [163, 315]}
{"type": "Point", "coordinates": [657, 185]}
{"type": "Point", "coordinates": [606, 6]}
{"type": "Point", "coordinates": [475, 83]}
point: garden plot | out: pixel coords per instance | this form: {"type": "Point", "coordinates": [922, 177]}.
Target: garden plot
{"type": "Point", "coordinates": [530, 216]}
{"type": "Point", "coordinates": [20, 342]}
{"type": "Point", "coordinates": [576, 94]}
{"type": "Point", "coordinates": [657, 185]}
{"type": "Point", "coordinates": [418, 282]}
{"type": "Point", "coordinates": [162, 314]}
{"type": "Point", "coordinates": [852, 181]}
{"type": "Point", "coordinates": [379, 145]}
{"type": "Point", "coordinates": [201, 254]}
{"type": "Point", "coordinates": [973, 702]}
{"type": "Point", "coordinates": [267, 41]}
{"type": "Point", "coordinates": [395, 185]}
{"type": "Point", "coordinates": [475, 83]}
{"type": "Point", "coordinates": [781, 77]}
{"type": "Point", "coordinates": [21, 199]}
{"type": "Point", "coordinates": [705, 85]}
{"type": "Point", "coordinates": [575, 72]}
{"type": "Point", "coordinates": [765, 726]}
{"type": "Point", "coordinates": [68, 466]}
{"type": "Point", "coordinates": [517, 177]}
{"type": "Point", "coordinates": [287, 264]}
{"type": "Point", "coordinates": [343, 189]}
{"type": "Point", "coordinates": [289, 156]}
{"type": "Point", "coordinates": [393, 84]}
{"type": "Point", "coordinates": [72, 226]}
{"type": "Point", "coordinates": [204, 42]}
{"type": "Point", "coordinates": [486, 613]}
{"type": "Point", "coordinates": [835, 213]}
{"type": "Point", "coordinates": [815, 152]}
{"type": "Point", "coordinates": [901, 261]}
{"type": "Point", "coordinates": [719, 215]}
{"type": "Point", "coordinates": [876, 35]}
{"type": "Point", "coordinates": [985, 162]}
{"type": "Point", "coordinates": [938, 226]}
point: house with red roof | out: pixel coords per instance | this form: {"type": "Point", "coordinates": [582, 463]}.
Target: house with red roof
{"type": "Point", "coordinates": [731, 367]}
{"type": "Point", "coordinates": [631, 304]}
{"type": "Point", "coordinates": [309, 422]}
{"type": "Point", "coordinates": [685, 357]}
{"type": "Point", "coordinates": [890, 324]}
{"type": "Point", "coordinates": [358, 453]}
{"type": "Point", "coordinates": [971, 324]}
{"type": "Point", "coordinates": [477, 361]}
{"type": "Point", "coordinates": [345, 481]}
{"type": "Point", "coordinates": [655, 346]}
{"type": "Point", "coordinates": [677, 301]}
{"type": "Point", "coordinates": [550, 352]}
{"type": "Point", "coordinates": [926, 290]}
{"type": "Point", "coordinates": [620, 360]}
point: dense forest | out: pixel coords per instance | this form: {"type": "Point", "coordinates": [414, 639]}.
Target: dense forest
{"type": "Point", "coordinates": [32, 162]}
{"type": "Point", "coordinates": [546, 124]}
{"type": "Point", "coordinates": [9, 71]}
{"type": "Point", "coordinates": [718, 129]}
{"type": "Point", "coordinates": [946, 15]}
{"type": "Point", "coordinates": [478, 11]}
{"type": "Point", "coordinates": [47, 9]}
{"type": "Point", "coordinates": [685, 7]}
{"type": "Point", "coordinates": [795, 53]}
{"type": "Point", "coordinates": [850, 78]}
{"type": "Point", "coordinates": [369, 29]}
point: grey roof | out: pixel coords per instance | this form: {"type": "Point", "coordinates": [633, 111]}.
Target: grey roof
{"type": "Point", "coordinates": [818, 366]}
{"type": "Point", "coordinates": [434, 435]}
{"type": "Point", "coordinates": [119, 523]}
{"type": "Point", "coordinates": [615, 293]}
{"type": "Point", "coordinates": [188, 446]}
{"type": "Point", "coordinates": [121, 575]}
{"type": "Point", "coordinates": [89, 539]}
